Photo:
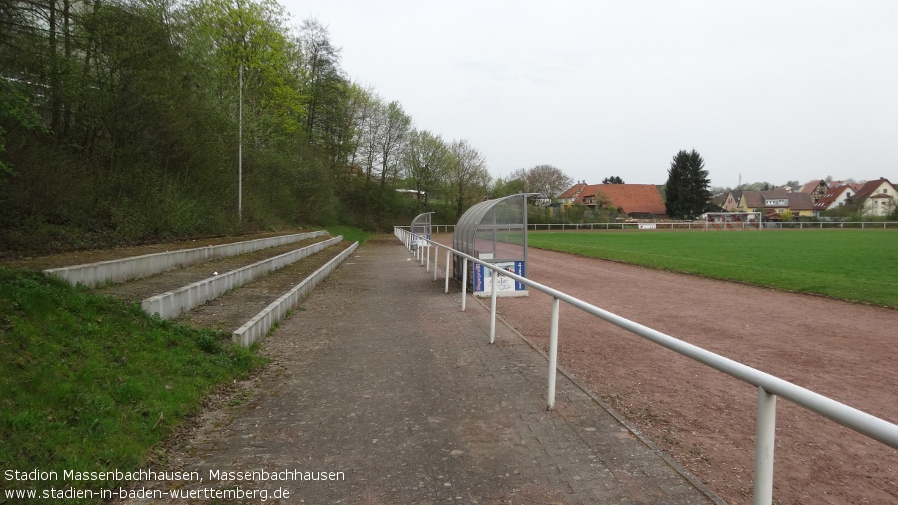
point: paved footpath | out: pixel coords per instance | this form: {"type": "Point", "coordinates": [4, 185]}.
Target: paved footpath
{"type": "Point", "coordinates": [381, 377]}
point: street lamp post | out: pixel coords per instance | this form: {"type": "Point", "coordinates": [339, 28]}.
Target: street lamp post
{"type": "Point", "coordinates": [240, 149]}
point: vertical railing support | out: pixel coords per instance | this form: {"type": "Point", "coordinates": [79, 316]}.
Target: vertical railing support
{"type": "Point", "coordinates": [436, 261]}
{"type": "Point", "coordinates": [553, 352]}
{"type": "Point", "coordinates": [464, 284]}
{"type": "Point", "coordinates": [494, 274]}
{"type": "Point", "coordinates": [427, 265]}
{"type": "Point", "coordinates": [448, 262]}
{"type": "Point", "coordinates": [764, 446]}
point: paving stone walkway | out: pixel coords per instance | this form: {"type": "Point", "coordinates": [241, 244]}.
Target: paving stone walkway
{"type": "Point", "coordinates": [380, 378]}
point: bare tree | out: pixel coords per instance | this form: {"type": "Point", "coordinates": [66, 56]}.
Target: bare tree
{"type": "Point", "coordinates": [545, 179]}
{"type": "Point", "coordinates": [322, 78]}
{"type": "Point", "coordinates": [396, 126]}
{"type": "Point", "coordinates": [468, 176]}
{"type": "Point", "coordinates": [371, 121]}
{"type": "Point", "coordinates": [425, 161]}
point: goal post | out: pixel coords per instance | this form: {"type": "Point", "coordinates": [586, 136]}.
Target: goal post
{"type": "Point", "coordinates": [733, 221]}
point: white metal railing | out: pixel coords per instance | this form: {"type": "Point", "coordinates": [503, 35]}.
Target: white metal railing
{"type": "Point", "coordinates": [699, 225]}
{"type": "Point", "coordinates": [695, 225]}
{"type": "Point", "coordinates": [769, 386]}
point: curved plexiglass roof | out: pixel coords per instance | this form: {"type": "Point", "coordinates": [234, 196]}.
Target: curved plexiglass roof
{"type": "Point", "coordinates": [485, 225]}
{"type": "Point", "coordinates": [421, 223]}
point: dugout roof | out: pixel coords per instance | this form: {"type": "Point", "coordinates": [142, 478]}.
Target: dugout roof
{"type": "Point", "coordinates": [421, 224]}
{"type": "Point", "coordinates": [495, 229]}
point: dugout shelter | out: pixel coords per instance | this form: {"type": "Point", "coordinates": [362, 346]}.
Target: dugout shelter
{"type": "Point", "coordinates": [421, 227]}
{"type": "Point", "coordinates": [494, 231]}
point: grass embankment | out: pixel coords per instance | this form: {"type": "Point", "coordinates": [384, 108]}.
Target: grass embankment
{"type": "Point", "coordinates": [89, 383]}
{"type": "Point", "coordinates": [350, 234]}
{"type": "Point", "coordinates": [854, 265]}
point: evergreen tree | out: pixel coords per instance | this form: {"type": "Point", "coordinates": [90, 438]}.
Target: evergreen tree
{"type": "Point", "coordinates": [613, 180]}
{"type": "Point", "coordinates": [688, 195]}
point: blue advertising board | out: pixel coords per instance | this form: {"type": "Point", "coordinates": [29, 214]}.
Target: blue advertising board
{"type": "Point", "coordinates": [483, 278]}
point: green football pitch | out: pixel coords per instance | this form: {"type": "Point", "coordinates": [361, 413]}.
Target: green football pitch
{"type": "Point", "coordinates": [855, 265]}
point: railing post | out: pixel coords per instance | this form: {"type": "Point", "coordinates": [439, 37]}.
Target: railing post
{"type": "Point", "coordinates": [464, 283]}
{"type": "Point", "coordinates": [448, 261]}
{"type": "Point", "coordinates": [495, 276]}
{"type": "Point", "coordinates": [764, 446]}
{"type": "Point", "coordinates": [427, 266]}
{"type": "Point", "coordinates": [436, 261]}
{"type": "Point", "coordinates": [553, 353]}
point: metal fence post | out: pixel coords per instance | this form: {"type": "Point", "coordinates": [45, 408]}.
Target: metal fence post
{"type": "Point", "coordinates": [436, 261]}
{"type": "Point", "coordinates": [464, 284]}
{"type": "Point", "coordinates": [764, 446]}
{"type": "Point", "coordinates": [448, 261]}
{"type": "Point", "coordinates": [493, 291]}
{"type": "Point", "coordinates": [427, 266]}
{"type": "Point", "coordinates": [553, 352]}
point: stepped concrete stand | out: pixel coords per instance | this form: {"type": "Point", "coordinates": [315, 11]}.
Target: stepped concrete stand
{"type": "Point", "coordinates": [174, 303]}
{"type": "Point", "coordinates": [258, 326]}
{"type": "Point", "coordinates": [126, 269]}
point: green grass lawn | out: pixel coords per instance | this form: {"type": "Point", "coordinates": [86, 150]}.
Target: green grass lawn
{"type": "Point", "coordinates": [855, 265]}
{"type": "Point", "coordinates": [349, 233]}
{"type": "Point", "coordinates": [90, 383]}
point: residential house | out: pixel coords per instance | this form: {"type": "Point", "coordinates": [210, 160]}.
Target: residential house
{"type": "Point", "coordinates": [570, 196]}
{"type": "Point", "coordinates": [732, 200]}
{"type": "Point", "coordinates": [816, 189]}
{"type": "Point", "coordinates": [833, 199]}
{"type": "Point", "coordinates": [772, 204]}
{"type": "Point", "coordinates": [876, 198]}
{"type": "Point", "coordinates": [635, 200]}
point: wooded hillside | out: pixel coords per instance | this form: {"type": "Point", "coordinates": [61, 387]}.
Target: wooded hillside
{"type": "Point", "coordinates": [125, 121]}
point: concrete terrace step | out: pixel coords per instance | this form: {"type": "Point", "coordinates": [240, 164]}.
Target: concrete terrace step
{"type": "Point", "coordinates": [172, 304]}
{"type": "Point", "coordinates": [280, 271]}
{"type": "Point", "coordinates": [140, 289]}
{"type": "Point", "coordinates": [135, 267]}
{"type": "Point", "coordinates": [251, 308]}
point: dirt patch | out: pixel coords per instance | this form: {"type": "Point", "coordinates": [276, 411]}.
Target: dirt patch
{"type": "Point", "coordinates": [705, 419]}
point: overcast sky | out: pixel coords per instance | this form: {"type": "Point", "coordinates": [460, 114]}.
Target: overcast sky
{"type": "Point", "coordinates": [771, 90]}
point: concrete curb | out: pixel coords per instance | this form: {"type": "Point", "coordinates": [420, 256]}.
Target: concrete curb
{"type": "Point", "coordinates": [135, 267]}
{"type": "Point", "coordinates": [257, 327]}
{"type": "Point", "coordinates": [174, 303]}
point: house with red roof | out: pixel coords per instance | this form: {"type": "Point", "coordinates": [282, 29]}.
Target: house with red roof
{"type": "Point", "coordinates": [833, 199]}
{"type": "Point", "coordinates": [815, 189]}
{"type": "Point", "coordinates": [570, 196]}
{"type": "Point", "coordinates": [635, 200]}
{"type": "Point", "coordinates": [876, 198]}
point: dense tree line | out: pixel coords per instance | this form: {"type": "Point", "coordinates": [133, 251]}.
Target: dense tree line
{"type": "Point", "coordinates": [126, 121]}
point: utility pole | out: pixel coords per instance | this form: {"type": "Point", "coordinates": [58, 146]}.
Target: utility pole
{"type": "Point", "coordinates": [240, 149]}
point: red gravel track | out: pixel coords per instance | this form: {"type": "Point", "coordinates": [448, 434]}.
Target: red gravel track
{"type": "Point", "coordinates": [705, 419]}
